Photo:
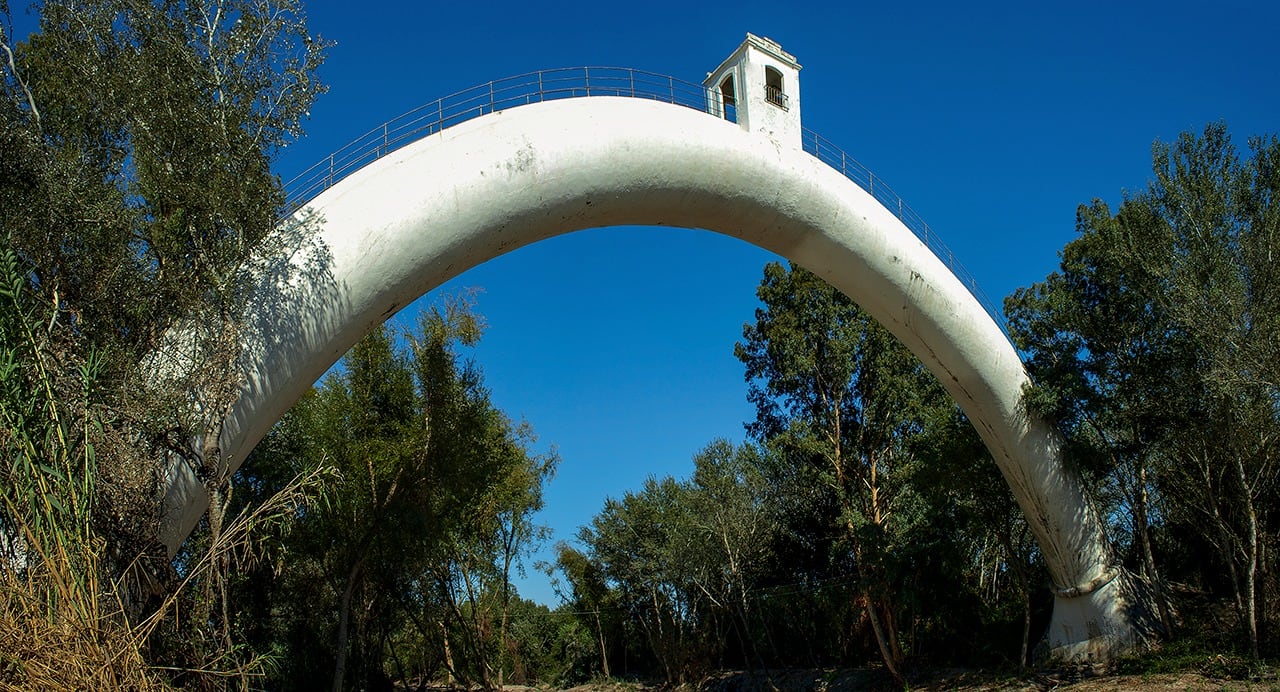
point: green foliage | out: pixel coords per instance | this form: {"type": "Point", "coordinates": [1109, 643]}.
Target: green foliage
{"type": "Point", "coordinates": [135, 145]}
{"type": "Point", "coordinates": [412, 556]}
{"type": "Point", "coordinates": [1155, 347]}
{"type": "Point", "coordinates": [836, 393]}
{"type": "Point", "coordinates": [139, 136]}
{"type": "Point", "coordinates": [674, 560]}
{"type": "Point", "coordinates": [136, 138]}
{"type": "Point", "coordinates": [1155, 339]}
{"type": "Point", "coordinates": [682, 573]}
{"type": "Point", "coordinates": [870, 503]}
{"type": "Point", "coordinates": [48, 430]}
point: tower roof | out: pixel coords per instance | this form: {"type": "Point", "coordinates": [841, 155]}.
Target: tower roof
{"type": "Point", "coordinates": [763, 44]}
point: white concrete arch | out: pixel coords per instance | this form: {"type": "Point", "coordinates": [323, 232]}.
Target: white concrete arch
{"type": "Point", "coordinates": [416, 218]}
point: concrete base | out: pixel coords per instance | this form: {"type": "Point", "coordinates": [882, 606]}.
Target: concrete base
{"type": "Point", "coordinates": [1098, 627]}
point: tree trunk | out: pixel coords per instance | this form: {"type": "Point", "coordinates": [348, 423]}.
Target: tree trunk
{"type": "Point", "coordinates": [474, 636]}
{"type": "Point", "coordinates": [1026, 628]}
{"type": "Point", "coordinates": [1021, 577]}
{"type": "Point", "coordinates": [507, 554]}
{"type": "Point", "coordinates": [204, 607]}
{"type": "Point", "coordinates": [746, 624]}
{"type": "Point", "coordinates": [1148, 555]}
{"type": "Point", "coordinates": [448, 654]}
{"type": "Point", "coordinates": [604, 657]}
{"type": "Point", "coordinates": [891, 632]}
{"type": "Point", "coordinates": [502, 638]}
{"type": "Point", "coordinates": [390, 646]}
{"type": "Point", "coordinates": [1226, 542]}
{"type": "Point", "coordinates": [886, 649]}
{"type": "Point", "coordinates": [344, 618]}
{"type": "Point", "coordinates": [1251, 571]}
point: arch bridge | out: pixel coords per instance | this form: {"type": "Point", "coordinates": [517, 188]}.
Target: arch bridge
{"type": "Point", "coordinates": [459, 181]}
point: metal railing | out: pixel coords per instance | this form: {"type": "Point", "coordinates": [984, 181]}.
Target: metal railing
{"type": "Point", "coordinates": [774, 95]}
{"type": "Point", "coordinates": [459, 107]}
{"type": "Point", "coordinates": [833, 156]}
{"type": "Point", "coordinates": [578, 82]}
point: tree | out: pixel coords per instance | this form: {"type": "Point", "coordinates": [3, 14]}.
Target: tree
{"type": "Point", "coordinates": [733, 515]}
{"type": "Point", "coordinates": [418, 542]}
{"type": "Point", "coordinates": [641, 545]}
{"type": "Point", "coordinates": [1108, 363]}
{"type": "Point", "coordinates": [682, 558]}
{"type": "Point", "coordinates": [515, 500]}
{"type": "Point", "coordinates": [136, 139]}
{"type": "Point", "coordinates": [588, 594]}
{"type": "Point", "coordinates": [837, 393]}
{"type": "Point", "coordinates": [145, 131]}
{"type": "Point", "coordinates": [971, 543]}
{"type": "Point", "coordinates": [1157, 343]}
{"type": "Point", "coordinates": [1206, 235]}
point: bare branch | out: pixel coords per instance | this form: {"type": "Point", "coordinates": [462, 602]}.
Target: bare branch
{"type": "Point", "coordinates": [17, 77]}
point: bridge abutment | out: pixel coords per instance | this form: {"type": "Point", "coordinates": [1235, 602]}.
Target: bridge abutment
{"type": "Point", "coordinates": [1114, 618]}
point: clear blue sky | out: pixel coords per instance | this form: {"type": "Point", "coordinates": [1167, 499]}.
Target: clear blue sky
{"type": "Point", "coordinates": [993, 120]}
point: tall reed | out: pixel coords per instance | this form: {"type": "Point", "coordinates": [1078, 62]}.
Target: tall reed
{"type": "Point", "coordinates": [59, 628]}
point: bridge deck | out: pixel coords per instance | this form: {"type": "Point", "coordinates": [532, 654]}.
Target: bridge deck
{"type": "Point", "coordinates": [583, 82]}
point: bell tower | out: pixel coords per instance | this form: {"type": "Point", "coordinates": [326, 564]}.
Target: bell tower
{"type": "Point", "coordinates": [758, 87]}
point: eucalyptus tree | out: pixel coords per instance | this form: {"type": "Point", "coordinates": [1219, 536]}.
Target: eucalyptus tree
{"type": "Point", "coordinates": [587, 592]}
{"type": "Point", "coordinates": [487, 488]}
{"type": "Point", "coordinates": [1206, 235]}
{"type": "Point", "coordinates": [836, 393]}
{"type": "Point", "coordinates": [732, 515]}
{"type": "Point", "coordinates": [973, 564]}
{"type": "Point", "coordinates": [1110, 369]}
{"type": "Point", "coordinates": [644, 545]}
{"type": "Point", "coordinates": [1157, 344]}
{"type": "Point", "coordinates": [683, 558]}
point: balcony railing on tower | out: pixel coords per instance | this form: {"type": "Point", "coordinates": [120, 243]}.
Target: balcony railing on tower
{"type": "Point", "coordinates": [774, 95]}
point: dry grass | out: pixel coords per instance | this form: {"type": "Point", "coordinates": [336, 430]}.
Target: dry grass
{"type": "Point", "coordinates": [64, 648]}
{"type": "Point", "coordinates": [57, 631]}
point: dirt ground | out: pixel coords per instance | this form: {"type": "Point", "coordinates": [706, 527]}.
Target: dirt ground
{"type": "Point", "coordinates": [1105, 683]}
{"type": "Point", "coordinates": [964, 681]}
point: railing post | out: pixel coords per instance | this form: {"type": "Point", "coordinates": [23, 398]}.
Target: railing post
{"type": "Point", "coordinates": [384, 140]}
{"type": "Point", "coordinates": [631, 72]}
{"type": "Point", "coordinates": [671, 86]}
{"type": "Point", "coordinates": [541, 95]}
{"type": "Point", "coordinates": [329, 182]}
{"type": "Point", "coordinates": [586, 77]}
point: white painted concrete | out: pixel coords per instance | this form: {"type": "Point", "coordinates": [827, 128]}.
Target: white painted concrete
{"type": "Point", "coordinates": [426, 213]}
{"type": "Point", "coordinates": [777, 116]}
